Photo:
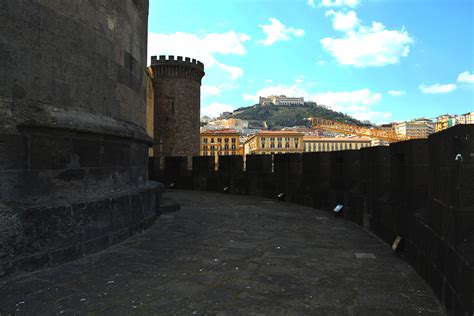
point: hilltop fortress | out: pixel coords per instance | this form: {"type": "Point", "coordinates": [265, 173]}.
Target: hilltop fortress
{"type": "Point", "coordinates": [280, 100]}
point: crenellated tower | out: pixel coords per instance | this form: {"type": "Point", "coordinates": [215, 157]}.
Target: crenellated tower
{"type": "Point", "coordinates": [177, 102]}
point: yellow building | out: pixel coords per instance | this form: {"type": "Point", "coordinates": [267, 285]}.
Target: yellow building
{"type": "Point", "coordinates": [150, 103]}
{"type": "Point", "coordinates": [317, 144]}
{"type": "Point", "coordinates": [444, 122]}
{"type": "Point", "coordinates": [220, 143]}
{"type": "Point", "coordinates": [274, 142]}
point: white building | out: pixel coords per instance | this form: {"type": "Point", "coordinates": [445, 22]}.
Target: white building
{"type": "Point", "coordinates": [281, 100]}
{"type": "Point", "coordinates": [418, 128]}
{"type": "Point", "coordinates": [467, 118]}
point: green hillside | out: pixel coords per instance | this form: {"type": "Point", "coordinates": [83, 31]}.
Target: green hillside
{"type": "Point", "coordinates": [287, 116]}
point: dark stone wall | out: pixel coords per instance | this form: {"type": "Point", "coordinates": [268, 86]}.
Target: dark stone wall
{"type": "Point", "coordinates": [420, 190]}
{"type": "Point", "coordinates": [72, 117]}
{"type": "Point", "coordinates": [177, 93]}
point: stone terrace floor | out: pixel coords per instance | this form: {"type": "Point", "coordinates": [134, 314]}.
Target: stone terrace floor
{"type": "Point", "coordinates": [225, 254]}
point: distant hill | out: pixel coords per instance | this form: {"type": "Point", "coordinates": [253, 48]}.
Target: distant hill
{"type": "Point", "coordinates": [291, 115]}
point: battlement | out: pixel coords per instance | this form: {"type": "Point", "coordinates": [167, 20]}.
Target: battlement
{"type": "Point", "coordinates": [176, 60]}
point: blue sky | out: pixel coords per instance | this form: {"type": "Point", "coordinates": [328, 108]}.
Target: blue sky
{"type": "Point", "coordinates": [380, 60]}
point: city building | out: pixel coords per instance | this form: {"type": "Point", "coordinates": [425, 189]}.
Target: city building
{"type": "Point", "coordinates": [318, 144]}
{"type": "Point", "coordinates": [223, 124]}
{"type": "Point", "coordinates": [220, 143]}
{"type": "Point", "coordinates": [418, 128]}
{"type": "Point", "coordinates": [280, 100]}
{"type": "Point", "coordinates": [274, 142]}
{"type": "Point", "coordinates": [467, 118]}
{"type": "Point", "coordinates": [444, 122]}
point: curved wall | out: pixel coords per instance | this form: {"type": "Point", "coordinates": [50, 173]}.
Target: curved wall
{"type": "Point", "coordinates": [72, 117]}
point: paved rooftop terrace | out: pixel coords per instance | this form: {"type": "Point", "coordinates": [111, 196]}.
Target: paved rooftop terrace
{"type": "Point", "coordinates": [225, 254]}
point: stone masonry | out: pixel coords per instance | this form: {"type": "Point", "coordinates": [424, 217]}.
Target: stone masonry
{"type": "Point", "coordinates": [177, 94]}
{"type": "Point", "coordinates": [73, 148]}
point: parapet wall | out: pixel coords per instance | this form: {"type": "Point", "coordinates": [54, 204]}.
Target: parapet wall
{"type": "Point", "coordinates": [420, 190]}
{"type": "Point", "coordinates": [179, 67]}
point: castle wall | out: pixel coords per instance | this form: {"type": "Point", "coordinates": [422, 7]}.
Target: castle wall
{"type": "Point", "coordinates": [420, 190]}
{"type": "Point", "coordinates": [72, 136]}
{"type": "Point", "coordinates": [177, 92]}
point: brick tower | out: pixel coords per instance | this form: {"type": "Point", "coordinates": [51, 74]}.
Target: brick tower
{"type": "Point", "coordinates": [177, 99]}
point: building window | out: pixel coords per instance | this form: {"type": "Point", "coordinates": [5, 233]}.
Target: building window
{"type": "Point", "coordinates": [272, 145]}
{"type": "Point", "coordinates": [233, 146]}
{"type": "Point", "coordinates": [287, 139]}
{"type": "Point", "coordinates": [226, 147]}
{"type": "Point", "coordinates": [279, 139]}
{"type": "Point", "coordinates": [263, 145]}
{"type": "Point", "coordinates": [204, 147]}
{"type": "Point", "coordinates": [219, 140]}
{"type": "Point", "coordinates": [226, 140]}
{"type": "Point", "coordinates": [233, 139]}
{"type": "Point", "coordinates": [204, 140]}
{"type": "Point", "coordinates": [279, 145]}
{"type": "Point", "coordinates": [272, 139]}
{"type": "Point", "coordinates": [262, 139]}
{"type": "Point", "coordinates": [287, 145]}
{"type": "Point", "coordinates": [212, 140]}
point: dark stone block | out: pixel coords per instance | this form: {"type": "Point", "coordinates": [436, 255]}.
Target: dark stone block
{"type": "Point", "coordinates": [13, 152]}
{"type": "Point", "coordinates": [259, 175]}
{"type": "Point", "coordinates": [448, 298]}
{"type": "Point", "coordinates": [115, 154]}
{"type": "Point", "coordinates": [119, 236]}
{"type": "Point", "coordinates": [89, 152]}
{"type": "Point", "coordinates": [71, 175]}
{"type": "Point", "coordinates": [30, 263]}
{"type": "Point", "coordinates": [65, 254]}
{"type": "Point", "coordinates": [97, 244]}
{"type": "Point", "coordinates": [50, 152]}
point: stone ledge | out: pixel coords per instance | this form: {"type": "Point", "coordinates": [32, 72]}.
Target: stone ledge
{"type": "Point", "coordinates": [45, 236]}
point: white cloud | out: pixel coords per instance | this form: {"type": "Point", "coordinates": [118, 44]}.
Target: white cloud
{"type": "Point", "coordinates": [277, 31]}
{"type": "Point", "coordinates": [234, 72]}
{"type": "Point", "coordinates": [300, 79]}
{"type": "Point", "coordinates": [291, 91]}
{"type": "Point", "coordinates": [369, 46]}
{"type": "Point", "coordinates": [343, 21]}
{"type": "Point", "coordinates": [215, 109]}
{"type": "Point", "coordinates": [373, 116]}
{"type": "Point", "coordinates": [199, 47]}
{"type": "Point", "coordinates": [397, 93]}
{"type": "Point", "coordinates": [438, 88]}
{"type": "Point", "coordinates": [268, 81]}
{"type": "Point", "coordinates": [342, 101]}
{"type": "Point", "coordinates": [311, 3]}
{"type": "Point", "coordinates": [250, 97]}
{"type": "Point", "coordinates": [340, 3]}
{"type": "Point", "coordinates": [466, 77]}
{"type": "Point", "coordinates": [356, 103]}
{"type": "Point", "coordinates": [207, 91]}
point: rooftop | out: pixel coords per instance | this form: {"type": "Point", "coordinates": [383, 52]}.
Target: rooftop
{"type": "Point", "coordinates": [336, 139]}
{"type": "Point", "coordinates": [220, 132]}
{"type": "Point", "coordinates": [227, 254]}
